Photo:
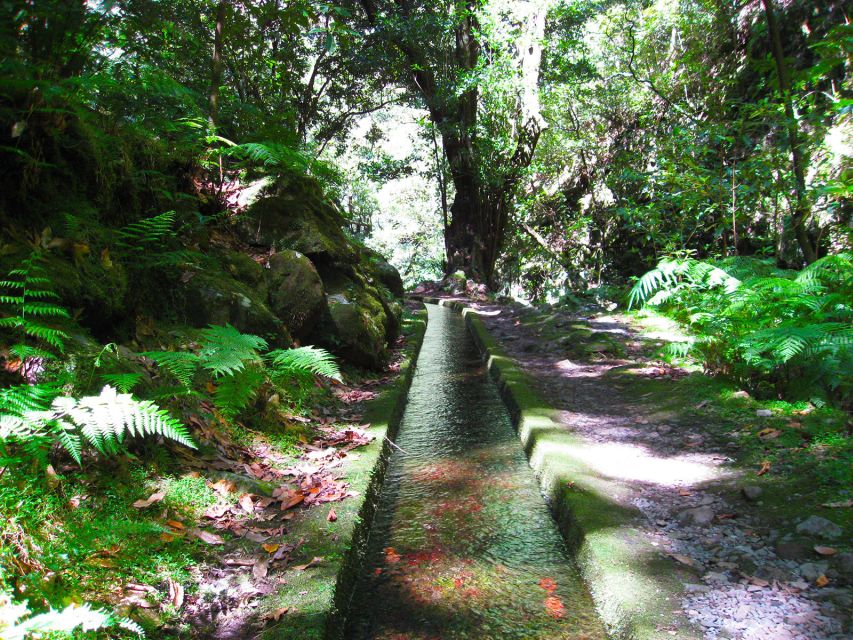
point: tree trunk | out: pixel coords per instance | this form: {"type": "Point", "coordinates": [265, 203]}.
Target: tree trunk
{"type": "Point", "coordinates": [802, 208]}
{"type": "Point", "coordinates": [216, 67]}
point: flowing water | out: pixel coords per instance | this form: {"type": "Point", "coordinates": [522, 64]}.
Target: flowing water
{"type": "Point", "coordinates": [463, 545]}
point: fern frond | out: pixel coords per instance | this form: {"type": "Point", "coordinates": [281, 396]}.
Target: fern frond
{"type": "Point", "coordinates": [235, 392]}
{"type": "Point", "coordinates": [181, 364]}
{"type": "Point", "coordinates": [225, 351]}
{"type": "Point", "coordinates": [139, 235]}
{"type": "Point", "coordinates": [301, 361]}
{"type": "Point", "coordinates": [124, 382]}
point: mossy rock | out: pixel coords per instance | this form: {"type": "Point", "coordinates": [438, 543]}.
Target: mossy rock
{"type": "Point", "coordinates": [359, 330]}
{"type": "Point", "coordinates": [244, 268]}
{"type": "Point", "coordinates": [296, 292]}
{"type": "Point", "coordinates": [383, 272]}
{"type": "Point", "coordinates": [295, 215]}
{"type": "Point", "coordinates": [215, 297]}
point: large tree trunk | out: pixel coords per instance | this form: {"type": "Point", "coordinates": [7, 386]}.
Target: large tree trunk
{"type": "Point", "coordinates": [802, 208]}
{"type": "Point", "coordinates": [216, 66]}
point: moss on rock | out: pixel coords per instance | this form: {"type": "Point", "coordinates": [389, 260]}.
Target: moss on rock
{"type": "Point", "coordinates": [296, 293]}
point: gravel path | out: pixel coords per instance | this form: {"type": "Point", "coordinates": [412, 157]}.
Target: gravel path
{"type": "Point", "coordinates": [751, 582]}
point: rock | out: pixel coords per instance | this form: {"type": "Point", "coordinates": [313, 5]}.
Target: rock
{"type": "Point", "coordinates": [844, 566]}
{"type": "Point", "coordinates": [699, 516]}
{"type": "Point", "coordinates": [818, 526]}
{"type": "Point", "coordinates": [296, 293]}
{"type": "Point", "coordinates": [811, 571]}
{"type": "Point", "coordinates": [386, 274]}
{"type": "Point", "coordinates": [793, 550]}
{"type": "Point", "coordinates": [751, 492]}
{"type": "Point", "coordinates": [764, 413]}
{"type": "Point", "coordinates": [359, 330]}
{"type": "Point", "coordinates": [741, 394]}
{"type": "Point", "coordinates": [295, 215]}
{"type": "Point", "coordinates": [214, 297]}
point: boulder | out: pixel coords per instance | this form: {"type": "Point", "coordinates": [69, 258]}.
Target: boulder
{"type": "Point", "coordinates": [383, 272]}
{"type": "Point", "coordinates": [359, 329]}
{"type": "Point", "coordinates": [215, 297]}
{"type": "Point", "coordinates": [295, 215]}
{"type": "Point", "coordinates": [296, 292]}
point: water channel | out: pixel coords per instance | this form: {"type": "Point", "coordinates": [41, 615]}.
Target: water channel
{"type": "Point", "coordinates": [463, 544]}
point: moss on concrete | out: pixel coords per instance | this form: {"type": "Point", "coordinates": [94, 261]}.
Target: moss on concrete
{"type": "Point", "coordinates": [317, 598]}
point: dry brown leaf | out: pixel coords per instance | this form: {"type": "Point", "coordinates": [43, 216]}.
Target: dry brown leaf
{"type": "Point", "coordinates": [153, 498]}
{"type": "Point", "coordinates": [206, 536]}
{"type": "Point", "coordinates": [821, 581]}
{"type": "Point", "coordinates": [246, 503]}
{"type": "Point", "coordinates": [224, 487]}
{"type": "Point", "coordinates": [685, 492]}
{"type": "Point", "coordinates": [769, 433]}
{"type": "Point", "coordinates": [166, 537]}
{"type": "Point", "coordinates": [276, 614]}
{"type": "Point", "coordinates": [291, 499]}
{"type": "Point", "coordinates": [683, 559]}
{"type": "Point", "coordinates": [314, 562]}
{"type": "Point", "coordinates": [176, 593]}
{"type": "Point", "coordinates": [765, 467]}
{"type": "Point", "coordinates": [261, 567]}
{"type": "Point", "coordinates": [758, 582]}
{"type": "Point", "coordinates": [825, 551]}
{"type": "Point", "coordinates": [176, 524]}
{"type": "Point", "coordinates": [332, 515]}
{"type": "Point", "coordinates": [270, 548]}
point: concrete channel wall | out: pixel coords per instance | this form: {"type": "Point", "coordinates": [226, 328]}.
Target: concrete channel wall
{"type": "Point", "coordinates": [631, 582]}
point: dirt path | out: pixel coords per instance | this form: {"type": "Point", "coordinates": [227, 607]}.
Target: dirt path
{"type": "Point", "coordinates": [755, 574]}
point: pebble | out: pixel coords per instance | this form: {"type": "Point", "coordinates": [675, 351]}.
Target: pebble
{"type": "Point", "coordinates": [764, 413]}
{"type": "Point", "coordinates": [697, 516]}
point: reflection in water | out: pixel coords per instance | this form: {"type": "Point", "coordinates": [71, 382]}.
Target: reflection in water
{"type": "Point", "coordinates": [463, 546]}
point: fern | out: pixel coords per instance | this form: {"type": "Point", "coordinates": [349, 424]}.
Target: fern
{"type": "Point", "coordinates": [101, 421]}
{"type": "Point", "coordinates": [181, 364]}
{"type": "Point", "coordinates": [18, 623]}
{"type": "Point", "coordinates": [124, 382]}
{"type": "Point", "coordinates": [141, 235]}
{"type": "Point", "coordinates": [225, 351]}
{"type": "Point", "coordinates": [303, 361]}
{"type": "Point", "coordinates": [234, 392]}
{"type": "Point", "coordinates": [29, 296]}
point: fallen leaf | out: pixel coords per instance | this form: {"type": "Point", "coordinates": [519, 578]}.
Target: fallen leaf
{"type": "Point", "coordinates": [206, 536]}
{"type": "Point", "coordinates": [52, 477]}
{"type": "Point", "coordinates": [176, 593]}
{"type": "Point", "coordinates": [769, 433]}
{"type": "Point", "coordinates": [224, 487]}
{"type": "Point", "coordinates": [825, 551]}
{"type": "Point", "coordinates": [246, 503]}
{"type": "Point", "coordinates": [314, 562]}
{"type": "Point", "coordinates": [685, 492]}
{"type": "Point", "coordinates": [549, 584]}
{"type": "Point", "coordinates": [683, 559]}
{"type": "Point", "coordinates": [765, 467]}
{"type": "Point", "coordinates": [838, 505]}
{"type": "Point", "coordinates": [175, 524]}
{"type": "Point", "coordinates": [291, 499]}
{"type": "Point", "coordinates": [391, 556]}
{"type": "Point", "coordinates": [166, 537]}
{"type": "Point", "coordinates": [821, 581]}
{"type": "Point", "coordinates": [554, 607]}
{"type": "Point", "coordinates": [276, 614]}
{"type": "Point", "coordinates": [154, 497]}
{"type": "Point", "coordinates": [261, 568]}
{"type": "Point", "coordinates": [758, 582]}
{"type": "Point", "coordinates": [270, 547]}
{"type": "Point", "coordinates": [216, 511]}
{"type": "Point", "coordinates": [332, 515]}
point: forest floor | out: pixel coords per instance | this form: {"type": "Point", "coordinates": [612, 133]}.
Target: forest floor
{"type": "Point", "coordinates": [201, 543]}
{"type": "Point", "coordinates": [751, 498]}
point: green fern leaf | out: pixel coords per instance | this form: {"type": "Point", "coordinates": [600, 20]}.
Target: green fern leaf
{"type": "Point", "coordinates": [181, 364]}
{"type": "Point", "coordinates": [225, 351]}
{"type": "Point", "coordinates": [303, 361]}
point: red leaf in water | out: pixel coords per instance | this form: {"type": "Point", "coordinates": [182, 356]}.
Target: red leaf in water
{"type": "Point", "coordinates": [554, 607]}
{"type": "Point", "coordinates": [549, 584]}
{"type": "Point", "coordinates": [391, 556]}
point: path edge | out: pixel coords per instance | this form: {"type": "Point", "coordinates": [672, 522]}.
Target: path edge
{"type": "Point", "coordinates": [634, 587]}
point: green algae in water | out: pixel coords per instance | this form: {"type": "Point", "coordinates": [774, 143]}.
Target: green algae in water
{"type": "Point", "coordinates": [463, 545]}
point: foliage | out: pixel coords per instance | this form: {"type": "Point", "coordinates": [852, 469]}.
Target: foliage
{"type": "Point", "coordinates": [786, 330]}
{"type": "Point", "coordinates": [18, 623]}
{"type": "Point", "coordinates": [237, 369]}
